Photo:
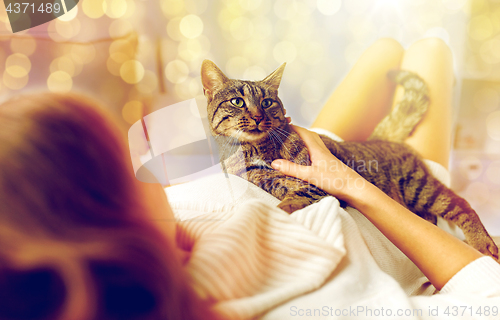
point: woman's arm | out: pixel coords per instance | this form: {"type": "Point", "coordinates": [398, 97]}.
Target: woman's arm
{"type": "Point", "coordinates": [437, 254]}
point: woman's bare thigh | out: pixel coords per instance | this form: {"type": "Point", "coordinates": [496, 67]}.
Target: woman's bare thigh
{"type": "Point", "coordinates": [365, 95]}
{"type": "Point", "coordinates": [432, 60]}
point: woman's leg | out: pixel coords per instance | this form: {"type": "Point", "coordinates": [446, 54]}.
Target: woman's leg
{"type": "Point", "coordinates": [365, 96]}
{"type": "Point", "coordinates": [432, 60]}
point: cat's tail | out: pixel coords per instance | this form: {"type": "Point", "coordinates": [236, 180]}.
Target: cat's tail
{"type": "Point", "coordinates": [407, 113]}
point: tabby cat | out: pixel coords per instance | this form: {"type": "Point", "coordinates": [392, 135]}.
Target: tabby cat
{"type": "Point", "coordinates": [248, 121]}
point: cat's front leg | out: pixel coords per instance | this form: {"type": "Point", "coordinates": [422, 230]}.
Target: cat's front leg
{"type": "Point", "coordinates": [306, 194]}
{"type": "Point", "coordinates": [482, 242]}
{"type": "Point", "coordinates": [294, 193]}
{"type": "Point", "coordinates": [451, 207]}
{"type": "Point", "coordinates": [293, 204]}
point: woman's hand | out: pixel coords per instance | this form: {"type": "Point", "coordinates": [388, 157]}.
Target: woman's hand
{"type": "Point", "coordinates": [326, 171]}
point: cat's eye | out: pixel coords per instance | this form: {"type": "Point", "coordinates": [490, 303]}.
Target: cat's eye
{"type": "Point", "coordinates": [267, 103]}
{"type": "Point", "coordinates": [238, 102]}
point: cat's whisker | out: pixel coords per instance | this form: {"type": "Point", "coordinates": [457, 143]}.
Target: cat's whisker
{"type": "Point", "coordinates": [272, 139]}
{"type": "Point", "coordinates": [291, 141]}
{"type": "Point", "coordinates": [236, 125]}
{"type": "Point", "coordinates": [282, 132]}
{"type": "Point", "coordinates": [226, 143]}
{"type": "Point", "coordinates": [283, 144]}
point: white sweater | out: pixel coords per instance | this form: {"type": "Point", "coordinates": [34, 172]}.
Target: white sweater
{"type": "Point", "coordinates": [322, 262]}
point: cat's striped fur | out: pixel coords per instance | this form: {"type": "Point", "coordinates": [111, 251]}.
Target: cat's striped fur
{"type": "Point", "coordinates": [248, 121]}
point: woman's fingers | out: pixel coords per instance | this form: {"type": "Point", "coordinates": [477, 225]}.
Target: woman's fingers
{"type": "Point", "coordinates": [291, 169]}
{"type": "Point", "coordinates": [309, 137]}
{"type": "Point", "coordinates": [317, 149]}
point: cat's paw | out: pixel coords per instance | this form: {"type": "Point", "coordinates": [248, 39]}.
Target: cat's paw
{"type": "Point", "coordinates": [485, 245]}
{"type": "Point", "coordinates": [291, 206]}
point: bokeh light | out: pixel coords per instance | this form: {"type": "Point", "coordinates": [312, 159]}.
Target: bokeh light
{"type": "Point", "coordinates": [123, 47]}
{"type": "Point", "coordinates": [66, 64]}
{"type": "Point", "coordinates": [59, 81]}
{"type": "Point", "coordinates": [250, 5]}
{"type": "Point", "coordinates": [115, 61]}
{"type": "Point", "coordinates": [115, 8]}
{"type": "Point", "coordinates": [14, 83]}
{"type": "Point", "coordinates": [191, 26]}
{"type": "Point", "coordinates": [172, 7]}
{"type": "Point", "coordinates": [174, 29]}
{"type": "Point", "coordinates": [93, 8]}
{"type": "Point", "coordinates": [176, 71]}
{"type": "Point", "coordinates": [133, 111]}
{"type": "Point", "coordinates": [241, 28]}
{"type": "Point", "coordinates": [329, 7]}
{"type": "Point", "coordinates": [191, 49]}
{"type": "Point", "coordinates": [17, 65]}
{"type": "Point", "coordinates": [480, 27]}
{"type": "Point", "coordinates": [132, 71]}
{"type": "Point", "coordinates": [187, 89]}
{"type": "Point", "coordinates": [67, 29]}
{"type": "Point", "coordinates": [490, 51]}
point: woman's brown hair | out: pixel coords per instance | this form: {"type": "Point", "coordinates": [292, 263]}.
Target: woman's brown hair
{"type": "Point", "coordinates": [73, 242]}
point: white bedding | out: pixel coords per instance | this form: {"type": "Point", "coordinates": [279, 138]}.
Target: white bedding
{"type": "Point", "coordinates": [256, 260]}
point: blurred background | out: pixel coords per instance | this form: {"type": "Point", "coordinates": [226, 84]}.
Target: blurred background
{"type": "Point", "coordinates": [138, 56]}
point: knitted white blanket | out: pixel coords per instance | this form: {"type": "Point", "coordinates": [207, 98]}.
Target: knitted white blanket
{"type": "Point", "coordinates": [252, 257]}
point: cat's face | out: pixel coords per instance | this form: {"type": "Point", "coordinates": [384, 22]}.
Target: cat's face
{"type": "Point", "coordinates": [245, 110]}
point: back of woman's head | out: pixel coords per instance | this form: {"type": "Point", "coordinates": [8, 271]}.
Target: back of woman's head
{"type": "Point", "coordinates": [73, 243]}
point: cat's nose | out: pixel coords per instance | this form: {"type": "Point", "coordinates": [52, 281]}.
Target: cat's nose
{"type": "Point", "coordinates": [258, 119]}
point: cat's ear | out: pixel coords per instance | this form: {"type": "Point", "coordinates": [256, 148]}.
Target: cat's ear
{"type": "Point", "coordinates": [274, 78]}
{"type": "Point", "coordinates": [211, 77]}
